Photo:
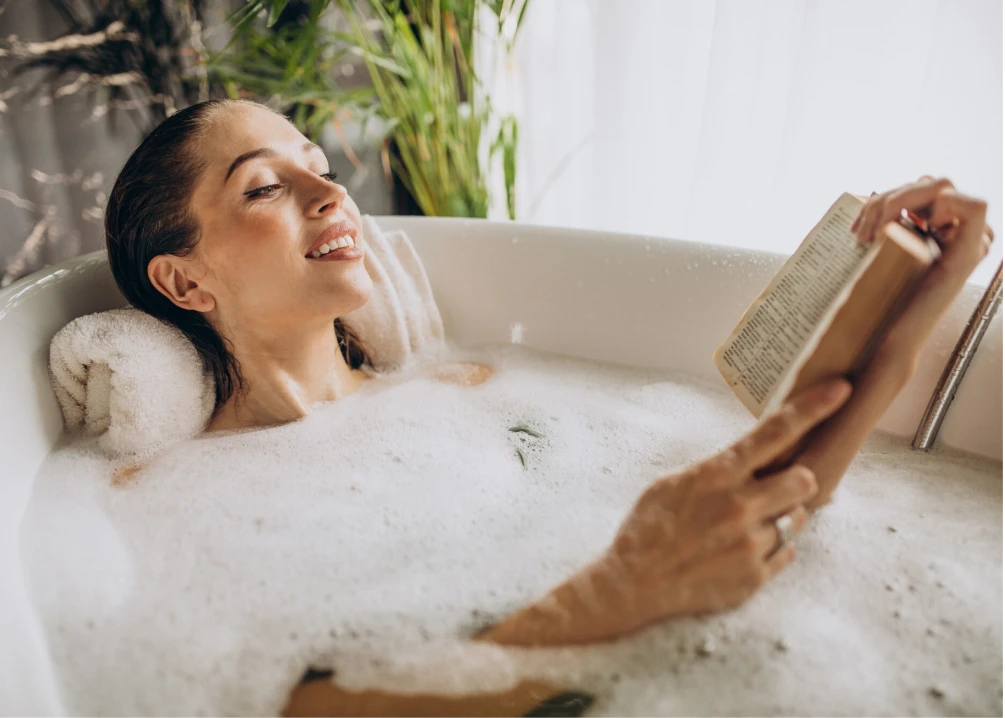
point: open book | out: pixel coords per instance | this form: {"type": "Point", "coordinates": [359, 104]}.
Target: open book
{"type": "Point", "coordinates": [826, 308]}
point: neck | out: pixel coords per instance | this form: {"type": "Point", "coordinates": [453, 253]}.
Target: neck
{"type": "Point", "coordinates": [284, 373]}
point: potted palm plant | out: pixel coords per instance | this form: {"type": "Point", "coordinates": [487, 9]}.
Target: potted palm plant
{"type": "Point", "coordinates": [427, 85]}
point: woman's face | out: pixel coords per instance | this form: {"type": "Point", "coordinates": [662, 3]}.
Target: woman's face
{"type": "Point", "coordinates": [264, 203]}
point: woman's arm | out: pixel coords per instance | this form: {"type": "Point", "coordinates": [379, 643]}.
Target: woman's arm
{"type": "Point", "coordinates": [835, 444]}
{"type": "Point", "coordinates": [622, 591]}
{"type": "Point", "coordinates": [961, 222]}
{"type": "Point", "coordinates": [696, 542]}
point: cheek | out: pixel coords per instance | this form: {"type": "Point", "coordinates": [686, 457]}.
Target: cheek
{"type": "Point", "coordinates": [248, 250]}
{"type": "Point", "coordinates": [352, 211]}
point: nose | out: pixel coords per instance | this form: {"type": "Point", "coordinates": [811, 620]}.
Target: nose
{"type": "Point", "coordinates": [326, 196]}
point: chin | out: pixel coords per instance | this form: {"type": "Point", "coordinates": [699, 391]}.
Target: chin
{"type": "Point", "coordinates": [354, 292]}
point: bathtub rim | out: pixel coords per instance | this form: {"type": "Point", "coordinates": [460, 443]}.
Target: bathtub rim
{"type": "Point", "coordinates": [29, 677]}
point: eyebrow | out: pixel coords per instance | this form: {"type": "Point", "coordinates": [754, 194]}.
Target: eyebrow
{"type": "Point", "coordinates": [263, 152]}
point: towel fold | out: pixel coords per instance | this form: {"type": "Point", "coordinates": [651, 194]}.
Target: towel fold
{"type": "Point", "coordinates": [138, 383]}
{"type": "Point", "coordinates": [129, 378]}
{"type": "Point", "coordinates": [401, 318]}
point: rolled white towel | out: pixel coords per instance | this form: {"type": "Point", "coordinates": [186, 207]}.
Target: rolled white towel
{"type": "Point", "coordinates": [129, 378]}
{"type": "Point", "coordinates": [401, 319]}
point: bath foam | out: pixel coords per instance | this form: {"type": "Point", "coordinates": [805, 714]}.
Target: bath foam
{"type": "Point", "coordinates": [375, 536]}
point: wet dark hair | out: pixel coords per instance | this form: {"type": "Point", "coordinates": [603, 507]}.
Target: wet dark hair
{"type": "Point", "coordinates": [149, 214]}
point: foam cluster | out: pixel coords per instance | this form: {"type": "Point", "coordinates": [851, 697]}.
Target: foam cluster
{"type": "Point", "coordinates": [376, 536]}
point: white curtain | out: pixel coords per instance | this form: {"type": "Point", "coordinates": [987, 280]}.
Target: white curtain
{"type": "Point", "coordinates": [738, 122]}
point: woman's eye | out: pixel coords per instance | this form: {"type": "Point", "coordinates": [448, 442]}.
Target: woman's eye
{"type": "Point", "coordinates": [266, 191]}
{"type": "Point", "coordinates": [271, 189]}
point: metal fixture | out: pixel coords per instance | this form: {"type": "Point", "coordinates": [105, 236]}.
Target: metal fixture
{"type": "Point", "coordinates": [952, 375]}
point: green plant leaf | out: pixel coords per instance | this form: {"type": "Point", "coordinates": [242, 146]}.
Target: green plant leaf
{"type": "Point", "coordinates": [382, 62]}
{"type": "Point", "coordinates": [419, 55]}
{"type": "Point", "coordinates": [506, 142]}
{"type": "Point", "coordinates": [275, 10]}
{"type": "Point", "coordinates": [524, 429]}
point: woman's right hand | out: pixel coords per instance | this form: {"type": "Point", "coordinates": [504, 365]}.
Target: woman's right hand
{"type": "Point", "coordinates": [695, 542]}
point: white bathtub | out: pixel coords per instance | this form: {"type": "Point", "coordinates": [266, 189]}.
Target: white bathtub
{"type": "Point", "coordinates": [613, 297]}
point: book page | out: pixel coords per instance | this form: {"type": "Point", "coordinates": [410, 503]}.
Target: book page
{"type": "Point", "coordinates": [776, 327]}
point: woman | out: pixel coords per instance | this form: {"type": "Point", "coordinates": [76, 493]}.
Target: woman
{"type": "Point", "coordinates": [216, 224]}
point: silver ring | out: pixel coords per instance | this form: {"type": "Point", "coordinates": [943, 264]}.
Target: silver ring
{"type": "Point", "coordinates": [783, 524]}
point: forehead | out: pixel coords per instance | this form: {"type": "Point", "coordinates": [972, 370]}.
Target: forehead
{"type": "Point", "coordinates": [242, 128]}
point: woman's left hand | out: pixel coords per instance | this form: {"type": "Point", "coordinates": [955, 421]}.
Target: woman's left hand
{"type": "Point", "coordinates": [960, 221]}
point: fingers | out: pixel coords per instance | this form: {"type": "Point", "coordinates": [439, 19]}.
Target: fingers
{"type": "Point", "coordinates": [959, 221]}
{"type": "Point", "coordinates": [783, 429]}
{"type": "Point", "coordinates": [757, 546]}
{"type": "Point", "coordinates": [867, 217]}
{"type": "Point", "coordinates": [779, 493]}
{"type": "Point", "coordinates": [755, 558]}
{"type": "Point", "coordinates": [953, 215]}
{"type": "Point", "coordinates": [766, 536]}
{"type": "Point", "coordinates": [968, 246]}
{"type": "Point", "coordinates": [779, 560]}
{"type": "Point", "coordinates": [886, 207]}
{"type": "Point", "coordinates": [966, 218]}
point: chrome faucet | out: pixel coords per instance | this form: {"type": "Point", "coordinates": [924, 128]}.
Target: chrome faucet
{"type": "Point", "coordinates": [956, 367]}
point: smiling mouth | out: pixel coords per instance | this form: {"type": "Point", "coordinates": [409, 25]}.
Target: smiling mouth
{"type": "Point", "coordinates": [332, 245]}
{"type": "Point", "coordinates": [340, 240]}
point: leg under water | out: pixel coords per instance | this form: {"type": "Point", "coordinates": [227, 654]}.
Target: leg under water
{"type": "Point", "coordinates": [317, 695]}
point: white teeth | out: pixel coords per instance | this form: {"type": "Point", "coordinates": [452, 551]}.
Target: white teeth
{"type": "Point", "coordinates": [330, 246]}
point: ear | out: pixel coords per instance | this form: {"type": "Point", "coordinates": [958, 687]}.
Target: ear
{"type": "Point", "coordinates": [172, 276]}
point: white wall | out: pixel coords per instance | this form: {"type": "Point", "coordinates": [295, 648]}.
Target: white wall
{"type": "Point", "coordinates": [738, 122]}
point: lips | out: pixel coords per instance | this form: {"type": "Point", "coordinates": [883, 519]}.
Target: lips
{"type": "Point", "coordinates": [339, 235]}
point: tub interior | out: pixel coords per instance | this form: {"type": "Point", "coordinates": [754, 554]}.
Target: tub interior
{"type": "Point", "coordinates": [641, 302]}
